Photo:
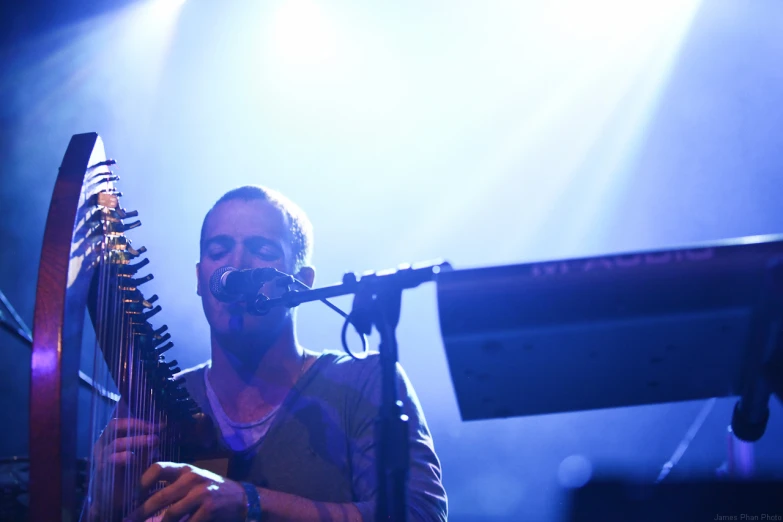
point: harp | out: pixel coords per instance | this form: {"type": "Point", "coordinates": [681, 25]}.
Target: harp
{"type": "Point", "coordinates": [88, 264]}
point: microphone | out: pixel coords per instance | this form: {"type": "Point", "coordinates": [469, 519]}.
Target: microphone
{"type": "Point", "coordinates": [228, 284]}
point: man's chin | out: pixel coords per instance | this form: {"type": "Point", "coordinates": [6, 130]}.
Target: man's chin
{"type": "Point", "coordinates": [242, 330]}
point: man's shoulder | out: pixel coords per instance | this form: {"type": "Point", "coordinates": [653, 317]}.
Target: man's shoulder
{"type": "Point", "coordinates": [343, 364]}
{"type": "Point", "coordinates": [362, 371]}
{"type": "Point", "coordinates": [345, 360]}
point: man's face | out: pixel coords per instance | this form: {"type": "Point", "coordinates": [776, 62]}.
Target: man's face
{"type": "Point", "coordinates": [244, 234]}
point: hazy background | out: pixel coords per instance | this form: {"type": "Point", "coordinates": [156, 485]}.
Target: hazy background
{"type": "Point", "coordinates": [481, 132]}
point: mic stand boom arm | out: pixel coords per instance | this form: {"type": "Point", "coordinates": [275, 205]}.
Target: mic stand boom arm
{"type": "Point", "coordinates": [377, 302]}
{"type": "Point", "coordinates": [403, 277]}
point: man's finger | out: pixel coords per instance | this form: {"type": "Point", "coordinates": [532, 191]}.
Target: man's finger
{"type": "Point", "coordinates": [163, 471]}
{"type": "Point", "coordinates": [120, 426]}
{"type": "Point", "coordinates": [162, 498]}
{"type": "Point", "coordinates": [137, 443]}
{"type": "Point", "coordinates": [186, 506]}
{"type": "Point", "coordinates": [123, 458]}
{"type": "Point", "coordinates": [202, 515]}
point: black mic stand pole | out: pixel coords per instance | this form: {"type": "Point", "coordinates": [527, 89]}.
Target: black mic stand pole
{"type": "Point", "coordinates": [377, 302]}
{"type": "Point", "coordinates": [379, 305]}
{"type": "Point", "coordinates": [763, 373]}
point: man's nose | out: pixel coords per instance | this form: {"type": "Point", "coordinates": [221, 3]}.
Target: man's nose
{"type": "Point", "coordinates": [242, 259]}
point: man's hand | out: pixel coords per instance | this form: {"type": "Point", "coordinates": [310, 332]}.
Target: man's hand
{"type": "Point", "coordinates": [192, 491]}
{"type": "Point", "coordinates": [122, 440]}
{"type": "Point", "coordinates": [125, 443]}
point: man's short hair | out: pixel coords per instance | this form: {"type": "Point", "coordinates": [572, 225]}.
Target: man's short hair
{"type": "Point", "coordinates": [300, 230]}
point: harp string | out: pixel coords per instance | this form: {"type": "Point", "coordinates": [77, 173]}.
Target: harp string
{"type": "Point", "coordinates": [105, 331]}
{"type": "Point", "coordinates": [96, 488]}
{"type": "Point", "coordinates": [125, 371]}
{"type": "Point", "coordinates": [124, 357]}
{"type": "Point", "coordinates": [106, 342]}
{"type": "Point", "coordinates": [116, 346]}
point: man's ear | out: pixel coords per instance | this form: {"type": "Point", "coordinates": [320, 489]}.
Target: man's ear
{"type": "Point", "coordinates": [198, 279]}
{"type": "Point", "coordinates": [306, 275]}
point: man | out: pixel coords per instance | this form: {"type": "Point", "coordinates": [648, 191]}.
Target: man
{"type": "Point", "coordinates": [302, 423]}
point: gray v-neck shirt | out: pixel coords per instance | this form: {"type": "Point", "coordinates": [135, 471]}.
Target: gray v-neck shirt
{"type": "Point", "coordinates": [238, 436]}
{"type": "Point", "coordinates": [321, 445]}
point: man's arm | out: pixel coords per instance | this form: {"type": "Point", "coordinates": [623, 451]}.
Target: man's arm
{"type": "Point", "coordinates": [277, 506]}
{"type": "Point", "coordinates": [207, 497]}
{"type": "Point", "coordinates": [211, 497]}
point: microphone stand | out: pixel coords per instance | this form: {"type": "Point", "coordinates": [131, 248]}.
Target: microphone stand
{"type": "Point", "coordinates": [763, 371]}
{"type": "Point", "coordinates": [377, 302]}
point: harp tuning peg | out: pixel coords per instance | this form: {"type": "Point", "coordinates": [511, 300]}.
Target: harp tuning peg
{"type": "Point", "coordinates": [132, 269]}
{"type": "Point", "coordinates": [160, 351]}
{"type": "Point", "coordinates": [133, 252]}
{"type": "Point", "coordinates": [152, 312]}
{"type": "Point", "coordinates": [141, 280]}
{"type": "Point", "coordinates": [125, 227]}
{"type": "Point", "coordinates": [125, 214]}
{"type": "Point", "coordinates": [106, 163]}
